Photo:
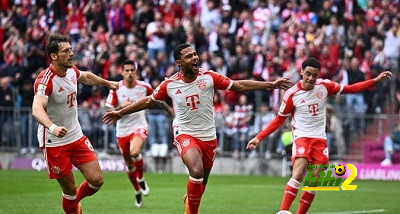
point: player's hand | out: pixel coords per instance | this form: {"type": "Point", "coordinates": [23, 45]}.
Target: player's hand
{"type": "Point", "coordinates": [113, 85]}
{"type": "Point", "coordinates": [112, 116]}
{"type": "Point", "coordinates": [253, 143]}
{"type": "Point", "coordinates": [383, 76]}
{"type": "Point", "coordinates": [282, 83]}
{"type": "Point", "coordinates": [60, 131]}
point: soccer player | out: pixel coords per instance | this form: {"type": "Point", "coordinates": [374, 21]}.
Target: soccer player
{"type": "Point", "coordinates": [307, 101]}
{"type": "Point", "coordinates": [59, 133]}
{"type": "Point", "coordinates": [132, 128]}
{"type": "Point", "coordinates": [192, 91]}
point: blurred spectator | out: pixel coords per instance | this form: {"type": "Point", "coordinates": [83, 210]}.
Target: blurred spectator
{"type": "Point", "coordinates": [261, 121]}
{"type": "Point", "coordinates": [7, 133]}
{"type": "Point", "coordinates": [392, 144]}
{"type": "Point", "coordinates": [243, 113]}
{"type": "Point", "coordinates": [334, 133]}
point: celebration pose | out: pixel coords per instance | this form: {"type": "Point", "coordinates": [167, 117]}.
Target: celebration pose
{"type": "Point", "coordinates": [59, 133]}
{"type": "Point", "coordinates": [192, 91]}
{"type": "Point", "coordinates": [307, 101]}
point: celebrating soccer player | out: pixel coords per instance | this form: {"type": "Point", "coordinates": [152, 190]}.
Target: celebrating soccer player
{"type": "Point", "coordinates": [192, 92]}
{"type": "Point", "coordinates": [307, 101]}
{"type": "Point", "coordinates": [132, 129]}
{"type": "Point", "coordinates": [59, 133]}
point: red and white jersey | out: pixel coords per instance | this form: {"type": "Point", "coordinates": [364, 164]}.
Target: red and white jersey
{"type": "Point", "coordinates": [129, 123]}
{"type": "Point", "coordinates": [308, 108]}
{"type": "Point", "coordinates": [61, 106]}
{"type": "Point", "coordinates": [193, 102]}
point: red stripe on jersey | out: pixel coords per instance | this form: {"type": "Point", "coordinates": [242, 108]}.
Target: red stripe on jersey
{"type": "Point", "coordinates": [149, 89]}
{"type": "Point", "coordinates": [161, 92]}
{"type": "Point", "coordinates": [290, 92]}
{"type": "Point", "coordinates": [77, 71]}
{"type": "Point", "coordinates": [221, 82]}
{"type": "Point", "coordinates": [44, 78]}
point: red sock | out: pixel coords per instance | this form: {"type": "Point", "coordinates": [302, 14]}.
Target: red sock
{"type": "Point", "coordinates": [69, 203]}
{"type": "Point", "coordinates": [138, 163]}
{"type": "Point", "coordinates": [132, 177]}
{"type": "Point", "coordinates": [85, 189]}
{"type": "Point", "coordinates": [290, 193]}
{"type": "Point", "coordinates": [195, 190]}
{"type": "Point", "coordinates": [305, 201]}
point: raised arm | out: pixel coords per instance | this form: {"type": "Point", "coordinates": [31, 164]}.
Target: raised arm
{"type": "Point", "coordinates": [248, 85]}
{"type": "Point", "coordinates": [38, 112]}
{"type": "Point", "coordinates": [361, 86]}
{"type": "Point", "coordinates": [88, 78]}
{"type": "Point", "coordinates": [141, 104]}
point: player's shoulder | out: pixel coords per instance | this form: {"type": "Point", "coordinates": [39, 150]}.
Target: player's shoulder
{"type": "Point", "coordinates": [45, 76]}
{"type": "Point", "coordinates": [143, 83]}
{"type": "Point", "coordinates": [324, 81]}
{"type": "Point", "coordinates": [206, 72]}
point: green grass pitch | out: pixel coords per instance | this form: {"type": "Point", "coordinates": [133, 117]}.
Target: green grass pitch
{"type": "Point", "coordinates": [32, 192]}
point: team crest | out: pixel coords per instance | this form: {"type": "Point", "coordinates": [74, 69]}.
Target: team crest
{"type": "Point", "coordinates": [185, 142]}
{"type": "Point", "coordinates": [73, 80]}
{"type": "Point", "coordinates": [55, 169]}
{"type": "Point", "coordinates": [301, 150]}
{"type": "Point", "coordinates": [202, 84]}
{"type": "Point", "coordinates": [320, 94]}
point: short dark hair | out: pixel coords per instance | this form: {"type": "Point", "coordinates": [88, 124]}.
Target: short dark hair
{"type": "Point", "coordinates": [53, 43]}
{"type": "Point", "coordinates": [312, 62]}
{"type": "Point", "coordinates": [128, 62]}
{"type": "Point", "coordinates": [178, 50]}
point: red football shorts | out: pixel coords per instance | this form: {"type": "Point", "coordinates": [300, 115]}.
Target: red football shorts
{"type": "Point", "coordinates": [314, 149]}
{"type": "Point", "coordinates": [208, 149]}
{"type": "Point", "coordinates": [61, 158]}
{"type": "Point", "coordinates": [125, 142]}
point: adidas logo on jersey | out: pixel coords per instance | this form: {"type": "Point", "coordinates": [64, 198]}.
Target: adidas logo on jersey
{"type": "Point", "coordinates": [178, 92]}
{"type": "Point", "coordinates": [60, 89]}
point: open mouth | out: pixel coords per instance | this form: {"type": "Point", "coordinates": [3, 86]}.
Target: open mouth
{"type": "Point", "coordinates": [195, 65]}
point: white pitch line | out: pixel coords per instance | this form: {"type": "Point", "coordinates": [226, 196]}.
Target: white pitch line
{"type": "Point", "coordinates": [356, 211]}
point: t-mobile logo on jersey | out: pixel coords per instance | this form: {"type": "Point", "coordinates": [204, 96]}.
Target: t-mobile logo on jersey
{"type": "Point", "coordinates": [313, 109]}
{"type": "Point", "coordinates": [71, 98]}
{"type": "Point", "coordinates": [192, 100]}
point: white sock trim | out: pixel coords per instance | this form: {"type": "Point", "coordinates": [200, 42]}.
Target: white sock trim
{"type": "Point", "coordinates": [196, 179]}
{"type": "Point", "coordinates": [293, 183]}
{"type": "Point", "coordinates": [68, 197]}
{"type": "Point", "coordinates": [311, 192]}
{"type": "Point", "coordinates": [93, 187]}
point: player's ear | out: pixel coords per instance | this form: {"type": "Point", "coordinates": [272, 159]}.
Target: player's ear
{"type": "Point", "coordinates": [53, 56]}
{"type": "Point", "coordinates": [178, 62]}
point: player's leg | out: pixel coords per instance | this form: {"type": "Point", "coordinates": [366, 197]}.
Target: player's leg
{"type": "Point", "coordinates": [136, 144]}
{"type": "Point", "coordinates": [192, 158]}
{"type": "Point", "coordinates": [84, 158]}
{"type": "Point", "coordinates": [320, 154]}
{"type": "Point", "coordinates": [124, 144]}
{"type": "Point", "coordinates": [94, 179]}
{"type": "Point", "coordinates": [292, 186]}
{"type": "Point", "coordinates": [60, 166]}
{"type": "Point", "coordinates": [67, 184]}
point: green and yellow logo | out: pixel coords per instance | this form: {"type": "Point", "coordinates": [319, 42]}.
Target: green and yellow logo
{"type": "Point", "coordinates": [327, 182]}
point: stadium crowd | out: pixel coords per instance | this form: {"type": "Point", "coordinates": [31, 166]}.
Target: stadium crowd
{"type": "Point", "coordinates": [354, 40]}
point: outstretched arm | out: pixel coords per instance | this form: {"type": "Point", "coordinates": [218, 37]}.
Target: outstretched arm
{"type": "Point", "coordinates": [272, 126]}
{"type": "Point", "coordinates": [141, 104]}
{"type": "Point", "coordinates": [361, 86]}
{"type": "Point", "coordinates": [88, 78]}
{"type": "Point", "coordinates": [248, 85]}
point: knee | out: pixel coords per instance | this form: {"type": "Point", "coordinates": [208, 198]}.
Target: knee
{"type": "Point", "coordinates": [135, 152]}
{"type": "Point", "coordinates": [97, 181]}
{"type": "Point", "coordinates": [197, 171]}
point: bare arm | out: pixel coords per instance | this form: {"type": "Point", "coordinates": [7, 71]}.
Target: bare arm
{"type": "Point", "coordinates": [249, 85]}
{"type": "Point", "coordinates": [141, 104]}
{"type": "Point", "coordinates": [38, 112]}
{"type": "Point", "coordinates": [168, 109]}
{"type": "Point", "coordinates": [88, 78]}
